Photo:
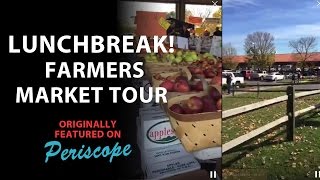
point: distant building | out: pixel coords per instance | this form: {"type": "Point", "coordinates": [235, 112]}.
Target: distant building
{"type": "Point", "coordinates": [283, 61]}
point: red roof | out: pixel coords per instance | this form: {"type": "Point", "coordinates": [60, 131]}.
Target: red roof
{"type": "Point", "coordinates": [281, 58]}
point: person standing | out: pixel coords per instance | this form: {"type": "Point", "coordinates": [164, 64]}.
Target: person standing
{"type": "Point", "coordinates": [293, 77]}
{"type": "Point", "coordinates": [217, 32]}
{"type": "Point", "coordinates": [229, 79]}
{"type": "Point", "coordinates": [299, 76]}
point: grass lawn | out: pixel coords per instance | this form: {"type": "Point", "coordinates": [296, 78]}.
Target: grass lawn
{"type": "Point", "coordinates": [242, 124]}
{"type": "Point", "coordinates": [270, 154]}
{"type": "Point", "coordinates": [276, 158]}
{"type": "Point", "coordinates": [239, 100]}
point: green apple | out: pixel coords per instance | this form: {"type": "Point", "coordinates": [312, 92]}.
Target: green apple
{"type": "Point", "coordinates": [193, 53]}
{"type": "Point", "coordinates": [147, 57]}
{"type": "Point", "coordinates": [154, 58]}
{"type": "Point", "coordinates": [188, 58]}
{"type": "Point", "coordinates": [171, 57]}
{"type": "Point", "coordinates": [179, 53]}
{"type": "Point", "coordinates": [178, 59]}
{"type": "Point", "coordinates": [194, 56]}
{"type": "Point", "coordinates": [205, 55]}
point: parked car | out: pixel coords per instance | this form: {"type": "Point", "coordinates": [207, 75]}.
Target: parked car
{"type": "Point", "coordinates": [247, 74]}
{"type": "Point", "coordinates": [259, 75]}
{"type": "Point", "coordinates": [236, 78]}
{"type": "Point", "coordinates": [274, 76]}
{"type": "Point", "coordinates": [289, 76]}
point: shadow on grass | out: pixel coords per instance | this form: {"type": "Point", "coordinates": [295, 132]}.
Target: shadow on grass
{"type": "Point", "coordinates": [309, 119]}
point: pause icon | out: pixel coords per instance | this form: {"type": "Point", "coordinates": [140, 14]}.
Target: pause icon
{"type": "Point", "coordinates": [213, 174]}
{"type": "Point", "coordinates": [317, 174]}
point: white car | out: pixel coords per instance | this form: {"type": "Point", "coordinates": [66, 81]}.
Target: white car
{"type": "Point", "coordinates": [275, 76]}
{"type": "Point", "coordinates": [236, 78]}
{"type": "Point", "coordinates": [259, 75]}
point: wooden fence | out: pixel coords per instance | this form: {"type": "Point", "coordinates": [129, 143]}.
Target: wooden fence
{"type": "Point", "coordinates": [258, 86]}
{"type": "Point", "coordinates": [289, 118]}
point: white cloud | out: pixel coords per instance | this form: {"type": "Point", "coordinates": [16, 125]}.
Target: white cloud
{"type": "Point", "coordinates": [294, 32]}
{"type": "Point", "coordinates": [237, 3]}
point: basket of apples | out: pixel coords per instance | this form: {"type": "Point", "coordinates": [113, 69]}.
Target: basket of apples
{"type": "Point", "coordinates": [205, 68]}
{"type": "Point", "coordinates": [181, 85]}
{"type": "Point", "coordinates": [173, 81]}
{"type": "Point", "coordinates": [196, 118]}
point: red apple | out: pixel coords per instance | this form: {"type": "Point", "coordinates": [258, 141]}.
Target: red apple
{"type": "Point", "coordinates": [187, 110]}
{"type": "Point", "coordinates": [198, 70]}
{"type": "Point", "coordinates": [168, 85]}
{"type": "Point", "coordinates": [216, 80]}
{"type": "Point", "coordinates": [211, 62]}
{"type": "Point", "coordinates": [198, 86]}
{"type": "Point", "coordinates": [214, 93]}
{"type": "Point", "coordinates": [207, 100]}
{"type": "Point", "coordinates": [191, 69]}
{"type": "Point", "coordinates": [218, 65]}
{"type": "Point", "coordinates": [195, 104]}
{"type": "Point", "coordinates": [209, 73]}
{"type": "Point", "coordinates": [181, 86]}
{"type": "Point", "coordinates": [208, 104]}
{"type": "Point", "coordinates": [183, 78]}
{"type": "Point", "coordinates": [219, 104]}
{"type": "Point", "coordinates": [177, 109]}
{"type": "Point", "coordinates": [210, 108]}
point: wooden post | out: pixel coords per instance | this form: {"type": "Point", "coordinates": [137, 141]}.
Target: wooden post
{"type": "Point", "coordinates": [233, 89]}
{"type": "Point", "coordinates": [290, 113]}
{"type": "Point", "coordinates": [258, 89]}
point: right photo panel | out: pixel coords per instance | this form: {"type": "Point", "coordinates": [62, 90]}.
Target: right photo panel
{"type": "Point", "coordinates": [271, 89]}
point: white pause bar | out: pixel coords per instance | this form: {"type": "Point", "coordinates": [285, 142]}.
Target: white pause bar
{"type": "Point", "coordinates": [317, 174]}
{"type": "Point", "coordinates": [213, 174]}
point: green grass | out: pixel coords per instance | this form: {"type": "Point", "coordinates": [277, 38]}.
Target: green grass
{"type": "Point", "coordinates": [276, 158]}
{"type": "Point", "coordinates": [230, 102]}
{"type": "Point", "coordinates": [242, 124]}
{"type": "Point", "coordinates": [270, 154]}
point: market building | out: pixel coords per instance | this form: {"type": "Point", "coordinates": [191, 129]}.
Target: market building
{"type": "Point", "coordinates": [282, 61]}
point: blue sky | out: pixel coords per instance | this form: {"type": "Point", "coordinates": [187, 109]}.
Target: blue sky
{"type": "Point", "coordinates": [284, 19]}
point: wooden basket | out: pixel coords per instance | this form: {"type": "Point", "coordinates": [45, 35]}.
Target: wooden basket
{"type": "Point", "coordinates": [195, 131]}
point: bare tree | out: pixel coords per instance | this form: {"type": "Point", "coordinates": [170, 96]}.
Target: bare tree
{"type": "Point", "coordinates": [304, 48]}
{"type": "Point", "coordinates": [260, 49]}
{"type": "Point", "coordinates": [228, 55]}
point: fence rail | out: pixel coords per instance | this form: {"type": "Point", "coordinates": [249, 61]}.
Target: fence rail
{"type": "Point", "coordinates": [282, 84]}
{"type": "Point", "coordinates": [246, 137]}
{"type": "Point", "coordinates": [271, 90]}
{"type": "Point", "coordinates": [258, 105]}
{"type": "Point", "coordinates": [259, 86]}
